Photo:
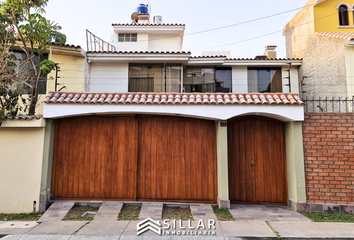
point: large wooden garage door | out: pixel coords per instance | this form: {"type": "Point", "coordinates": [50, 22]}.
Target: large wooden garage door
{"type": "Point", "coordinates": [95, 158]}
{"type": "Point", "coordinates": [135, 158]}
{"type": "Point", "coordinates": [257, 163]}
{"type": "Point", "coordinates": [177, 159]}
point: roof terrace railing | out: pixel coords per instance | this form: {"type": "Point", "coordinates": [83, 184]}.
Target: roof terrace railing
{"type": "Point", "coordinates": [96, 44]}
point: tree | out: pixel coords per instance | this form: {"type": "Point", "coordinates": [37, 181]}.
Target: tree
{"type": "Point", "coordinates": [34, 32]}
{"type": "Point", "coordinates": [13, 77]}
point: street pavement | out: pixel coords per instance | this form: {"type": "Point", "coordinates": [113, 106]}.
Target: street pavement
{"type": "Point", "coordinates": [95, 230]}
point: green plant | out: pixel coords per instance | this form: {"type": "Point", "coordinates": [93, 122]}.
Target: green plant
{"type": "Point", "coordinates": [223, 214]}
{"type": "Point", "coordinates": [329, 217]}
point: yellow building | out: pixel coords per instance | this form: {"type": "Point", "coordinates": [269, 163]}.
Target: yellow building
{"type": "Point", "coordinates": [322, 33]}
{"type": "Point", "coordinates": [71, 75]}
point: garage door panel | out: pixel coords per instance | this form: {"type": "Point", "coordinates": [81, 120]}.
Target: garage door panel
{"type": "Point", "coordinates": [94, 158]}
{"type": "Point", "coordinates": [183, 153]}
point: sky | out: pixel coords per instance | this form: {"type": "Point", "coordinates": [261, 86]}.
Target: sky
{"type": "Point", "coordinates": [243, 40]}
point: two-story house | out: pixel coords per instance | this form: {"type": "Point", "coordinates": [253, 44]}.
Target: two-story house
{"type": "Point", "coordinates": [157, 124]}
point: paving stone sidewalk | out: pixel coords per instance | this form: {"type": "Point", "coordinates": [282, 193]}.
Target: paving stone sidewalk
{"type": "Point", "coordinates": [152, 210]}
{"type": "Point", "coordinates": [108, 211]}
{"type": "Point", "coordinates": [268, 213]}
{"type": "Point", "coordinates": [57, 211]}
{"type": "Point", "coordinates": [202, 211]}
{"type": "Point", "coordinates": [74, 230]}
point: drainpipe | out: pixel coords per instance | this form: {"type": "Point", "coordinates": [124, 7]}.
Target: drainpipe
{"type": "Point", "coordinates": [165, 78]}
{"type": "Point", "coordinates": [181, 78]}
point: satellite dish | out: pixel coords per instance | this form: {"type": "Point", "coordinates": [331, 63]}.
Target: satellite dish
{"type": "Point", "coordinates": [135, 17]}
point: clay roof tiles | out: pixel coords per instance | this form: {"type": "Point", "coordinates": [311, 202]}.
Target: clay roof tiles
{"type": "Point", "coordinates": [139, 25]}
{"type": "Point", "coordinates": [25, 117]}
{"type": "Point", "coordinates": [174, 98]}
{"type": "Point", "coordinates": [339, 35]}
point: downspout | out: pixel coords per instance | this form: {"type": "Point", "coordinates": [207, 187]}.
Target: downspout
{"type": "Point", "coordinates": [182, 78]}
{"type": "Point", "coordinates": [165, 78]}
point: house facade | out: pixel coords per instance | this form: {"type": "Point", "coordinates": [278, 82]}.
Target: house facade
{"type": "Point", "coordinates": [322, 34]}
{"type": "Point", "coordinates": [175, 127]}
{"type": "Point", "coordinates": [151, 122]}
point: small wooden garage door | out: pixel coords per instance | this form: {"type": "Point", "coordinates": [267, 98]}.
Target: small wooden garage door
{"type": "Point", "coordinates": [135, 158]}
{"type": "Point", "coordinates": [257, 163]}
{"type": "Point", "coordinates": [177, 159]}
{"type": "Point", "coordinates": [95, 158]}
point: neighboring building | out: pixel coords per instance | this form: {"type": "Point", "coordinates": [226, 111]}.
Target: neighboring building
{"type": "Point", "coordinates": [70, 77]}
{"type": "Point", "coordinates": [322, 33]}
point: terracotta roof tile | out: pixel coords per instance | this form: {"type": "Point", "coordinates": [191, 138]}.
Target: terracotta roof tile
{"type": "Point", "coordinates": [25, 117]}
{"type": "Point", "coordinates": [263, 59]}
{"type": "Point", "coordinates": [339, 35]}
{"type": "Point", "coordinates": [174, 98]}
{"type": "Point", "coordinates": [141, 52]}
{"type": "Point", "coordinates": [139, 25]}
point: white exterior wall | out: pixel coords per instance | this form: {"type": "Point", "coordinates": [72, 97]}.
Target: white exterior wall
{"type": "Point", "coordinates": [142, 43]}
{"type": "Point", "coordinates": [239, 79]}
{"type": "Point", "coordinates": [165, 43]}
{"type": "Point", "coordinates": [109, 77]}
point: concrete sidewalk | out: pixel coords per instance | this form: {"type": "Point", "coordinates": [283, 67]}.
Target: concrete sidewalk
{"type": "Point", "coordinates": [95, 230]}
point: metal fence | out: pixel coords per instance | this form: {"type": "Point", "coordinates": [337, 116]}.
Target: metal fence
{"type": "Point", "coordinates": [329, 104]}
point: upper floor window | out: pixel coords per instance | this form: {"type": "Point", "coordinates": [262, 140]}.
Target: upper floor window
{"type": "Point", "coordinates": [264, 80]}
{"type": "Point", "coordinates": [207, 80]}
{"type": "Point", "coordinates": [127, 37]}
{"type": "Point", "coordinates": [21, 63]}
{"type": "Point", "coordinates": [343, 15]}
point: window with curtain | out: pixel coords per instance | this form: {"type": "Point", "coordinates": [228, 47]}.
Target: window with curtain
{"type": "Point", "coordinates": [264, 80]}
{"type": "Point", "coordinates": [154, 78]}
{"type": "Point", "coordinates": [343, 15]}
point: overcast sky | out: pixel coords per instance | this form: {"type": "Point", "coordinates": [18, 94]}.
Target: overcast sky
{"type": "Point", "coordinates": [75, 16]}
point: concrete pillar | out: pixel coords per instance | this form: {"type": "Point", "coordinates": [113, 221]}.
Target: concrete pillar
{"type": "Point", "coordinates": [295, 162]}
{"type": "Point", "coordinates": [46, 179]}
{"type": "Point", "coordinates": [222, 164]}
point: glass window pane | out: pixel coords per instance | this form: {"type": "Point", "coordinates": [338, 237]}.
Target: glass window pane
{"type": "Point", "coordinates": [127, 38]}
{"type": "Point", "coordinates": [154, 78]}
{"type": "Point", "coordinates": [134, 37]}
{"type": "Point", "coordinates": [120, 37]}
{"type": "Point", "coordinates": [264, 80]}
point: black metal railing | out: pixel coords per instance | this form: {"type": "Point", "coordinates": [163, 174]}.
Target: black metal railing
{"type": "Point", "coordinates": [329, 104]}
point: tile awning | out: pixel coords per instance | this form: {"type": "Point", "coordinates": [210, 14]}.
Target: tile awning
{"type": "Point", "coordinates": [174, 98]}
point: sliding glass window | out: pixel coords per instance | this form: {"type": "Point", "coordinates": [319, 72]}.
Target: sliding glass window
{"type": "Point", "coordinates": [207, 80]}
{"type": "Point", "coordinates": [154, 78]}
{"type": "Point", "coordinates": [264, 80]}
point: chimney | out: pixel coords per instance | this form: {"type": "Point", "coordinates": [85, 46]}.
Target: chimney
{"type": "Point", "coordinates": [261, 57]}
{"type": "Point", "coordinates": [270, 51]}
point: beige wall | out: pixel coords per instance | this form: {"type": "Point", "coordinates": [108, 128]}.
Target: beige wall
{"type": "Point", "coordinates": [295, 162]}
{"type": "Point", "coordinates": [72, 76]}
{"type": "Point", "coordinates": [21, 166]}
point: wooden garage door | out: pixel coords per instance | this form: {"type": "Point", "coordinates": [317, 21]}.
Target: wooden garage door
{"type": "Point", "coordinates": [177, 159]}
{"type": "Point", "coordinates": [257, 163]}
{"type": "Point", "coordinates": [135, 158]}
{"type": "Point", "coordinates": [95, 158]}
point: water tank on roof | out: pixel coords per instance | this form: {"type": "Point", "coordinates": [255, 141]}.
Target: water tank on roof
{"type": "Point", "coordinates": [142, 9]}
